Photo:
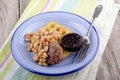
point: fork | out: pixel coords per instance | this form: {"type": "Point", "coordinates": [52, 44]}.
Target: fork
{"type": "Point", "coordinates": [86, 41]}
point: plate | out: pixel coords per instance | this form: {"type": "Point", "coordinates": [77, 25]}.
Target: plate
{"type": "Point", "coordinates": [73, 22]}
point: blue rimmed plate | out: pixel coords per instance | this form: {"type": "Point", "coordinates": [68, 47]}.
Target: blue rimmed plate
{"type": "Point", "coordinates": [73, 22]}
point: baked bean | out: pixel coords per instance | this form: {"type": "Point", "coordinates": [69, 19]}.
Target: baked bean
{"type": "Point", "coordinates": [46, 48]}
{"type": "Point", "coordinates": [42, 60]}
{"type": "Point", "coordinates": [40, 63]}
{"type": "Point", "coordinates": [36, 59]}
{"type": "Point", "coordinates": [45, 55]}
{"type": "Point", "coordinates": [44, 64]}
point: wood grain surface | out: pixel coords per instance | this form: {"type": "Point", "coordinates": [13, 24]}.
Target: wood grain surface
{"type": "Point", "coordinates": [109, 68]}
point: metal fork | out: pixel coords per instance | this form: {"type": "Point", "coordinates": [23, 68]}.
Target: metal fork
{"type": "Point", "coordinates": [86, 41]}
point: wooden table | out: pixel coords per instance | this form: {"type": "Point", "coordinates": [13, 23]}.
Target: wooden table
{"type": "Point", "coordinates": [109, 68]}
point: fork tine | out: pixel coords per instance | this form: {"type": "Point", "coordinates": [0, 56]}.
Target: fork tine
{"type": "Point", "coordinates": [83, 54]}
{"type": "Point", "coordinates": [78, 54]}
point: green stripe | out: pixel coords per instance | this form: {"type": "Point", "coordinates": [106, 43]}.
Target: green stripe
{"type": "Point", "coordinates": [4, 72]}
{"type": "Point", "coordinates": [26, 75]}
{"type": "Point", "coordinates": [21, 73]}
{"type": "Point", "coordinates": [5, 51]}
{"type": "Point", "coordinates": [38, 77]}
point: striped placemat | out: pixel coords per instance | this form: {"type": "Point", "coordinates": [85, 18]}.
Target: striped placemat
{"type": "Point", "coordinates": [10, 70]}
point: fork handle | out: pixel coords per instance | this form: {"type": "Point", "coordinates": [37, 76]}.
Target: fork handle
{"type": "Point", "coordinates": [89, 29]}
{"type": "Point", "coordinates": [97, 11]}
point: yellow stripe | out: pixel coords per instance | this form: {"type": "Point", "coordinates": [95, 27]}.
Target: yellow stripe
{"type": "Point", "coordinates": [85, 7]}
{"type": "Point", "coordinates": [36, 10]}
{"type": "Point", "coordinates": [5, 51]}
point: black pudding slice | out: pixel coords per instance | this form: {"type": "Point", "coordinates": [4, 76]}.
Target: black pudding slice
{"type": "Point", "coordinates": [71, 42]}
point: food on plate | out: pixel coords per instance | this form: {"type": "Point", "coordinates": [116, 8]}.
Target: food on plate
{"type": "Point", "coordinates": [52, 43]}
{"type": "Point", "coordinates": [55, 53]}
{"type": "Point", "coordinates": [39, 43]}
{"type": "Point", "coordinates": [71, 42]}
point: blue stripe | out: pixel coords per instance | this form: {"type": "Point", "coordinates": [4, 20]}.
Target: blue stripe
{"type": "Point", "coordinates": [69, 6]}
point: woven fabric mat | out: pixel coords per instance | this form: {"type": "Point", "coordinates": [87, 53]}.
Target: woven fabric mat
{"type": "Point", "coordinates": [10, 70]}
